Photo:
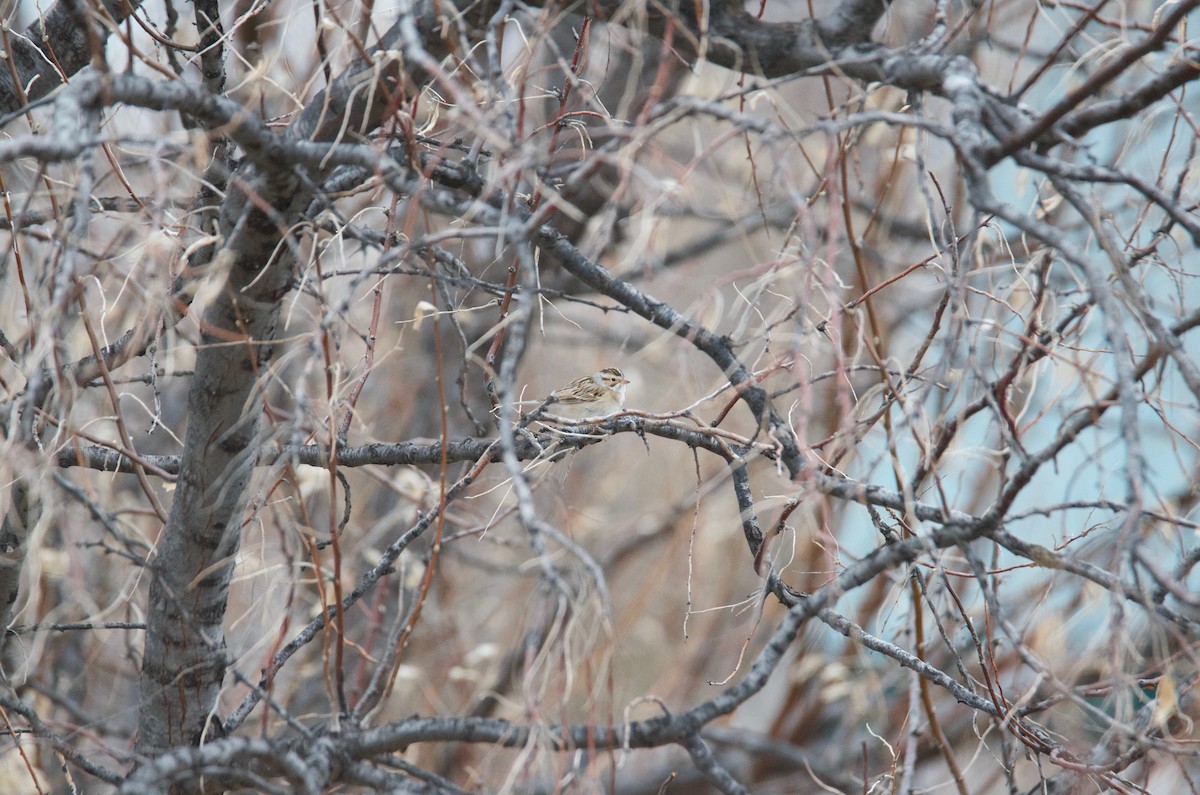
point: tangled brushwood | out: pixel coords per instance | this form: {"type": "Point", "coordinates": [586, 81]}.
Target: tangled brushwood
{"type": "Point", "coordinates": [886, 480]}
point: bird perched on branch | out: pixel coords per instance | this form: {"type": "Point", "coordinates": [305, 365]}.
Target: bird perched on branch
{"type": "Point", "coordinates": [597, 395]}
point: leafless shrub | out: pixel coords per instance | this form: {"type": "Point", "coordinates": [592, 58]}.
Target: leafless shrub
{"type": "Point", "coordinates": [906, 297]}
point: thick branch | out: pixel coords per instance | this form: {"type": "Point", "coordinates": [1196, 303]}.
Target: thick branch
{"type": "Point", "coordinates": [55, 41]}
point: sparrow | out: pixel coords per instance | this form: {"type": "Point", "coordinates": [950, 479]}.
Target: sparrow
{"type": "Point", "coordinates": [597, 395]}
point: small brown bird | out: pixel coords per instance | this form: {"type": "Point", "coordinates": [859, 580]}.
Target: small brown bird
{"type": "Point", "coordinates": [597, 395]}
